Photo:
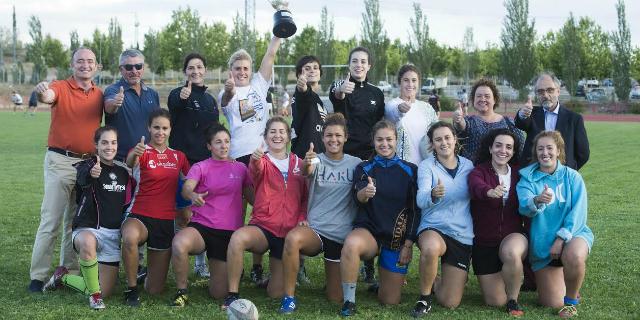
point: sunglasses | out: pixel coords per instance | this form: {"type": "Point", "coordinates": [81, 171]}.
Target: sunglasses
{"type": "Point", "coordinates": [130, 67]}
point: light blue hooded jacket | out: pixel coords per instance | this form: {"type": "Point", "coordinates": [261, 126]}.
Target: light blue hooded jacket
{"type": "Point", "coordinates": [565, 217]}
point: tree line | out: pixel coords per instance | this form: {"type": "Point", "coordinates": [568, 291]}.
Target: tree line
{"type": "Point", "coordinates": [579, 49]}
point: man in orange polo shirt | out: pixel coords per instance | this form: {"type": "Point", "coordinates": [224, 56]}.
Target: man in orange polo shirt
{"type": "Point", "coordinates": [76, 112]}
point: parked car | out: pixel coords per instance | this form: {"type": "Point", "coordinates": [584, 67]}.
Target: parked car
{"type": "Point", "coordinates": [385, 87]}
{"type": "Point", "coordinates": [592, 83]}
{"type": "Point", "coordinates": [596, 95]}
{"type": "Point", "coordinates": [635, 93]}
{"type": "Point", "coordinates": [580, 91]}
{"type": "Point", "coordinates": [607, 82]}
{"type": "Point", "coordinates": [428, 84]}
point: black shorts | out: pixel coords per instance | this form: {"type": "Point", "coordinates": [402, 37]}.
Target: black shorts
{"type": "Point", "coordinates": [555, 263]}
{"type": "Point", "coordinates": [331, 249]}
{"type": "Point", "coordinates": [244, 159]}
{"type": "Point", "coordinates": [216, 241]}
{"type": "Point", "coordinates": [486, 259]}
{"type": "Point", "coordinates": [276, 244]}
{"type": "Point", "coordinates": [458, 254]}
{"type": "Point", "coordinates": [159, 232]}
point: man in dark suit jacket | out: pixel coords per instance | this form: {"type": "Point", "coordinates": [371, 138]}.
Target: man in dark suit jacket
{"type": "Point", "coordinates": [552, 116]}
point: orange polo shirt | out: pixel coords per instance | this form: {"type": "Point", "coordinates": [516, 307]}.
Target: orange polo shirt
{"type": "Point", "coordinates": [75, 116]}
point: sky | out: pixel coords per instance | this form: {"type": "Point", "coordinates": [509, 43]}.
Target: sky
{"type": "Point", "coordinates": [447, 19]}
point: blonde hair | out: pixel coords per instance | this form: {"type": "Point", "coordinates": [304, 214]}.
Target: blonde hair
{"type": "Point", "coordinates": [557, 139]}
{"type": "Point", "coordinates": [239, 55]}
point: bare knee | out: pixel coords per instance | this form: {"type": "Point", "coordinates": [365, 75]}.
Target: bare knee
{"type": "Point", "coordinates": [449, 302]}
{"type": "Point", "coordinates": [179, 247]}
{"type": "Point", "coordinates": [574, 259]}
{"type": "Point", "coordinates": [292, 243]}
{"type": "Point", "coordinates": [495, 301]}
{"type": "Point", "coordinates": [389, 299]}
{"type": "Point", "coordinates": [430, 250]}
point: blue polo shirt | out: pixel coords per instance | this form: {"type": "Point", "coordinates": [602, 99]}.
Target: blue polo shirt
{"type": "Point", "coordinates": [131, 118]}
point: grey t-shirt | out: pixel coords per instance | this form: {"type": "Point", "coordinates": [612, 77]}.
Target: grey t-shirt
{"type": "Point", "coordinates": [331, 205]}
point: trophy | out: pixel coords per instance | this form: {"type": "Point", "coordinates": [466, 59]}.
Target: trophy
{"type": "Point", "coordinates": [283, 25]}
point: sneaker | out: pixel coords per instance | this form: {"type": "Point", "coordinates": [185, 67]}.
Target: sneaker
{"type": "Point", "coordinates": [202, 271]}
{"type": "Point", "coordinates": [55, 282]}
{"type": "Point", "coordinates": [131, 297]}
{"type": "Point", "coordinates": [348, 309]}
{"type": "Point", "coordinates": [180, 299]}
{"type": "Point", "coordinates": [421, 309]}
{"type": "Point", "coordinates": [568, 311]}
{"type": "Point", "coordinates": [96, 302]}
{"type": "Point", "coordinates": [288, 305]}
{"type": "Point", "coordinates": [302, 276]}
{"type": "Point", "coordinates": [256, 273]}
{"type": "Point", "coordinates": [36, 286]}
{"type": "Point", "coordinates": [142, 274]}
{"type": "Point", "coordinates": [513, 309]}
{"type": "Point", "coordinates": [230, 298]}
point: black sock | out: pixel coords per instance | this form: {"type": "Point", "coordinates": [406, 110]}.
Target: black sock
{"type": "Point", "coordinates": [233, 294]}
{"type": "Point", "coordinates": [182, 291]}
{"type": "Point", "coordinates": [426, 298]}
{"type": "Point", "coordinates": [134, 288]}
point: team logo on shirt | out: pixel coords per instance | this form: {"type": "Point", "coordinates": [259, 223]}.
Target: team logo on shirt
{"type": "Point", "coordinates": [114, 187]}
{"type": "Point", "coordinates": [373, 102]}
{"type": "Point", "coordinates": [557, 194]}
{"type": "Point", "coordinates": [152, 164]}
{"type": "Point", "coordinates": [112, 176]}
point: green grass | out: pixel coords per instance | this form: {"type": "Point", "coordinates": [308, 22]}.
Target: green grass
{"type": "Point", "coordinates": [610, 289]}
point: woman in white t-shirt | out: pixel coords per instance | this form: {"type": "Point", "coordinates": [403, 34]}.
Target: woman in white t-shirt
{"type": "Point", "coordinates": [412, 117]}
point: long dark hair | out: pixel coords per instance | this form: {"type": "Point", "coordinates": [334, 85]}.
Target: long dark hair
{"type": "Point", "coordinates": [483, 154]}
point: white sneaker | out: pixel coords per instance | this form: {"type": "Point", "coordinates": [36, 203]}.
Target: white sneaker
{"type": "Point", "coordinates": [201, 271]}
{"type": "Point", "coordinates": [96, 302]}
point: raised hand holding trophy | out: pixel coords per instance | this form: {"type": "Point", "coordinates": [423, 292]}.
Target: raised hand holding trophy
{"type": "Point", "coordinates": [283, 25]}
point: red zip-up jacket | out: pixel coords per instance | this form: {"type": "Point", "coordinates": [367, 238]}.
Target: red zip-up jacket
{"type": "Point", "coordinates": [279, 206]}
{"type": "Point", "coordinates": [493, 220]}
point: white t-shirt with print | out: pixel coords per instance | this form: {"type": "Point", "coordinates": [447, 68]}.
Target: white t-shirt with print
{"type": "Point", "coordinates": [281, 164]}
{"type": "Point", "coordinates": [247, 114]}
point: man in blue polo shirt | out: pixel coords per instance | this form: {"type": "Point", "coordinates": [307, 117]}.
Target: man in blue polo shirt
{"type": "Point", "coordinates": [128, 103]}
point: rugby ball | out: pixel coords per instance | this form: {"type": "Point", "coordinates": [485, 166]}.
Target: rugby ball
{"type": "Point", "coordinates": [242, 309]}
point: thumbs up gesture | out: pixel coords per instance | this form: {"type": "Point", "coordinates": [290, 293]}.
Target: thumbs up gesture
{"type": "Point", "coordinates": [230, 85]}
{"type": "Point", "coordinates": [96, 169]}
{"type": "Point", "coordinates": [138, 150]}
{"type": "Point", "coordinates": [438, 191]}
{"type": "Point", "coordinates": [347, 86]}
{"type": "Point", "coordinates": [258, 153]}
{"type": "Point", "coordinates": [370, 189]}
{"type": "Point", "coordinates": [527, 108]}
{"type": "Point", "coordinates": [311, 157]}
{"type": "Point", "coordinates": [42, 87]}
{"type": "Point", "coordinates": [185, 92]}
{"type": "Point", "coordinates": [404, 107]}
{"type": "Point", "coordinates": [546, 196]}
{"type": "Point", "coordinates": [198, 198]}
{"type": "Point", "coordinates": [458, 115]}
{"type": "Point", "coordinates": [302, 83]}
{"type": "Point", "coordinates": [118, 99]}
{"type": "Point", "coordinates": [497, 192]}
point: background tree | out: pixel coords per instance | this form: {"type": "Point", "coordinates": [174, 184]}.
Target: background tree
{"type": "Point", "coordinates": [74, 40]}
{"type": "Point", "coordinates": [469, 59]}
{"type": "Point", "coordinates": [216, 45]}
{"type": "Point", "coordinates": [518, 54]}
{"type": "Point", "coordinates": [56, 56]}
{"type": "Point", "coordinates": [420, 46]}
{"type": "Point", "coordinates": [396, 57]}
{"type": "Point", "coordinates": [114, 48]}
{"type": "Point", "coordinates": [621, 55]}
{"type": "Point", "coordinates": [152, 54]}
{"type": "Point", "coordinates": [35, 50]}
{"type": "Point", "coordinates": [305, 42]}
{"type": "Point", "coordinates": [635, 64]}
{"type": "Point", "coordinates": [180, 37]}
{"type": "Point", "coordinates": [549, 52]}
{"type": "Point", "coordinates": [374, 37]}
{"type": "Point", "coordinates": [572, 54]}
{"type": "Point", "coordinates": [325, 48]}
{"type": "Point", "coordinates": [489, 61]}
{"type": "Point", "coordinates": [596, 60]}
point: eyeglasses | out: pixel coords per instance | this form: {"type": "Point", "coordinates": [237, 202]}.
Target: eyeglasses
{"type": "Point", "coordinates": [549, 90]}
{"type": "Point", "coordinates": [130, 67]}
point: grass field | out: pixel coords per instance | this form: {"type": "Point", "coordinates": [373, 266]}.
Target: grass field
{"type": "Point", "coordinates": [610, 291]}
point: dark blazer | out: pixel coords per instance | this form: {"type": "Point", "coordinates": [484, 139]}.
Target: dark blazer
{"type": "Point", "coordinates": [571, 127]}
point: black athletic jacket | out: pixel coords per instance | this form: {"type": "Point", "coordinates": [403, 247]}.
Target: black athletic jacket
{"type": "Point", "coordinates": [362, 109]}
{"type": "Point", "coordinates": [309, 115]}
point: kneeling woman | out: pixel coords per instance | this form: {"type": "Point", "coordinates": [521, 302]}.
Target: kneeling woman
{"type": "Point", "coordinates": [331, 212]}
{"type": "Point", "coordinates": [216, 187]}
{"type": "Point", "coordinates": [446, 228]}
{"type": "Point", "coordinates": [386, 221]}
{"type": "Point", "coordinates": [154, 207]}
{"type": "Point", "coordinates": [105, 191]}
{"type": "Point", "coordinates": [555, 197]}
{"type": "Point", "coordinates": [500, 244]}
{"type": "Point", "coordinates": [280, 204]}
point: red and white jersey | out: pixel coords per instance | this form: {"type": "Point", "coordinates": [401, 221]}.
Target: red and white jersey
{"type": "Point", "coordinates": [157, 174]}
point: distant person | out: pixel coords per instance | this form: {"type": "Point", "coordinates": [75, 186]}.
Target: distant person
{"type": "Point", "coordinates": [128, 103]}
{"type": "Point", "coordinates": [76, 113]}
{"type": "Point", "coordinates": [463, 97]}
{"type": "Point", "coordinates": [16, 98]}
{"type": "Point", "coordinates": [554, 196]}
{"type": "Point", "coordinates": [412, 117]}
{"type": "Point", "coordinates": [33, 103]}
{"type": "Point", "coordinates": [551, 115]}
{"type": "Point", "coordinates": [434, 101]}
{"type": "Point", "coordinates": [286, 100]}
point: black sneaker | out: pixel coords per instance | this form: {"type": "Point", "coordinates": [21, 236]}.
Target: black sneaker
{"type": "Point", "coordinates": [131, 297]}
{"type": "Point", "coordinates": [180, 299]}
{"type": "Point", "coordinates": [513, 309]}
{"type": "Point", "coordinates": [228, 300]}
{"type": "Point", "coordinates": [36, 286]}
{"type": "Point", "coordinates": [421, 309]}
{"type": "Point", "coordinates": [142, 274]}
{"type": "Point", "coordinates": [256, 274]}
{"type": "Point", "coordinates": [348, 309]}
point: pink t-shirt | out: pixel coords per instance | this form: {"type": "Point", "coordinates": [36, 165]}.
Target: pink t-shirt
{"type": "Point", "coordinates": [224, 180]}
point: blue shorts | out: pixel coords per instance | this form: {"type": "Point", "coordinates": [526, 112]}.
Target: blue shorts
{"type": "Point", "coordinates": [181, 202]}
{"type": "Point", "coordinates": [388, 259]}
